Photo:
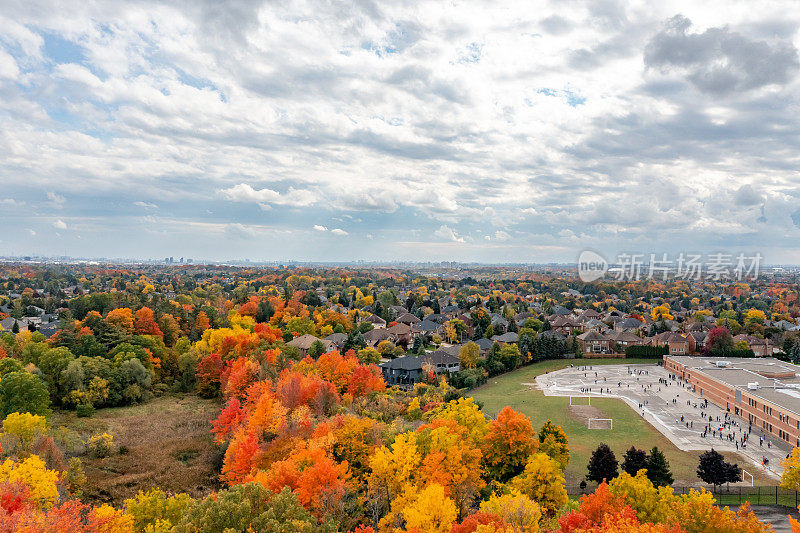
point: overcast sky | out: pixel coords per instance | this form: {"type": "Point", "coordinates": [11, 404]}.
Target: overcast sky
{"type": "Point", "coordinates": [488, 131]}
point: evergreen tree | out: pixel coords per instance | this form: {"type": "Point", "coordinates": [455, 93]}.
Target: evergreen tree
{"type": "Point", "coordinates": [634, 460]}
{"type": "Point", "coordinates": [602, 465]}
{"type": "Point", "coordinates": [417, 346]}
{"type": "Point", "coordinates": [658, 471]}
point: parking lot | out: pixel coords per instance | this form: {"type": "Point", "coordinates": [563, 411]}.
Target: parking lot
{"type": "Point", "coordinates": [672, 408]}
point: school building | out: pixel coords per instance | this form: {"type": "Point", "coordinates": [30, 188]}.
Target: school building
{"type": "Point", "coordinates": [765, 391]}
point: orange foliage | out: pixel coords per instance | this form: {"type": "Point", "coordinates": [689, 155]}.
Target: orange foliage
{"type": "Point", "coordinates": [146, 323]}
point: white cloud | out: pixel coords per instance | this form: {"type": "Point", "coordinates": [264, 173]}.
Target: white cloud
{"type": "Point", "coordinates": [320, 228]}
{"type": "Point", "coordinates": [56, 199]}
{"type": "Point", "coordinates": [338, 231]}
{"type": "Point", "coordinates": [30, 231]}
{"type": "Point", "coordinates": [447, 233]}
{"type": "Point", "coordinates": [519, 119]}
{"type": "Point", "coordinates": [501, 235]}
{"type": "Point", "coordinates": [59, 224]}
{"type": "Point", "coordinates": [240, 231]}
{"type": "Point", "coordinates": [268, 197]}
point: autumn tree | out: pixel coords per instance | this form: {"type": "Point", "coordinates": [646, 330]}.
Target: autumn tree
{"type": "Point", "coordinates": [553, 442]}
{"type": "Point", "coordinates": [468, 355]}
{"type": "Point", "coordinates": [790, 479]}
{"type": "Point", "coordinates": [543, 482]}
{"type": "Point", "coordinates": [21, 392]}
{"type": "Point", "coordinates": [508, 444]}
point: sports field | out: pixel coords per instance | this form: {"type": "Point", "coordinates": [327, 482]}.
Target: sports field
{"type": "Point", "coordinates": [629, 427]}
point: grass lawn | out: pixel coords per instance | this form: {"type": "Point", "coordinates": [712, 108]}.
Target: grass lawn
{"type": "Point", "coordinates": [169, 446]}
{"type": "Point", "coordinates": [629, 428]}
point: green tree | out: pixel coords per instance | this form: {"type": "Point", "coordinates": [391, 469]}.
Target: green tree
{"type": "Point", "coordinates": [248, 507]}
{"type": "Point", "coordinates": [658, 471]}
{"type": "Point", "coordinates": [316, 349]}
{"type": "Point", "coordinates": [21, 392]}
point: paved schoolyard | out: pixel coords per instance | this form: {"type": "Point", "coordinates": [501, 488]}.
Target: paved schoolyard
{"type": "Point", "coordinates": [671, 407]}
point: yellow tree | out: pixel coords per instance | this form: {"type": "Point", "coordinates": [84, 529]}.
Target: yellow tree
{"type": "Point", "coordinates": [543, 482]}
{"type": "Point", "coordinates": [553, 442]}
{"type": "Point", "coordinates": [790, 479]}
{"type": "Point", "coordinates": [468, 355]}
{"type": "Point", "coordinates": [431, 511]}
{"type": "Point", "coordinates": [516, 509]}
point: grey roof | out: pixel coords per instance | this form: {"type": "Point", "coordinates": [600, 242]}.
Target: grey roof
{"type": "Point", "coordinates": [440, 357]}
{"type": "Point", "coordinates": [484, 344]}
{"type": "Point", "coordinates": [629, 323]}
{"type": "Point", "coordinates": [427, 326]}
{"type": "Point", "coordinates": [404, 363]}
{"type": "Point", "coordinates": [407, 318]}
{"type": "Point", "coordinates": [337, 338]}
{"type": "Point", "coordinates": [553, 334]}
{"type": "Point", "coordinates": [506, 337]}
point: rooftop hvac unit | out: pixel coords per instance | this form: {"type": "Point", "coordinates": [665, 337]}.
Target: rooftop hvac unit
{"type": "Point", "coordinates": [753, 385]}
{"type": "Point", "coordinates": [723, 364]}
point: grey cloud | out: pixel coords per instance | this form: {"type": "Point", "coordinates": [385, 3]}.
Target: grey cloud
{"type": "Point", "coordinates": [747, 196]}
{"type": "Point", "coordinates": [556, 25]}
{"type": "Point", "coordinates": [718, 60]}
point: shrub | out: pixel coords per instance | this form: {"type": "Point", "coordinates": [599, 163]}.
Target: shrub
{"type": "Point", "coordinates": [100, 445]}
{"type": "Point", "coordinates": [85, 410]}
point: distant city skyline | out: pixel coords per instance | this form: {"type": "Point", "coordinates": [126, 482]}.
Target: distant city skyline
{"type": "Point", "coordinates": [472, 132]}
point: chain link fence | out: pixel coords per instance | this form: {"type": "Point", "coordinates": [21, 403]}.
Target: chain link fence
{"type": "Point", "coordinates": [731, 495]}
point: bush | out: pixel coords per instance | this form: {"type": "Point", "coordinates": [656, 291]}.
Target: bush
{"type": "Point", "coordinates": [646, 351]}
{"type": "Point", "coordinates": [84, 410]}
{"type": "Point", "coordinates": [100, 445]}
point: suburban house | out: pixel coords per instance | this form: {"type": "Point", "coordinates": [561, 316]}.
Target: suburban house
{"type": "Point", "coordinates": [442, 361]}
{"type": "Point", "coordinates": [594, 342]}
{"type": "Point", "coordinates": [403, 371]}
{"type": "Point", "coordinates": [408, 319]}
{"type": "Point", "coordinates": [760, 347]}
{"type": "Point", "coordinates": [304, 342]}
{"type": "Point", "coordinates": [401, 333]}
{"type": "Point", "coordinates": [565, 325]}
{"type": "Point", "coordinates": [375, 336]}
{"type": "Point", "coordinates": [506, 338]}
{"type": "Point", "coordinates": [375, 320]}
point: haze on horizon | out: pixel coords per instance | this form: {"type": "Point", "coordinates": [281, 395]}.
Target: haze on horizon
{"type": "Point", "coordinates": [379, 131]}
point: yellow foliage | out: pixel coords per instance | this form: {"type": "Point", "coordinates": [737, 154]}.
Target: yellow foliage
{"type": "Point", "coordinates": [33, 473]}
{"type": "Point", "coordinates": [25, 427]}
{"type": "Point", "coordinates": [790, 479]}
{"type": "Point", "coordinates": [431, 511]}
{"type": "Point", "coordinates": [543, 482]}
{"type": "Point", "coordinates": [516, 509]}
{"type": "Point", "coordinates": [106, 519]}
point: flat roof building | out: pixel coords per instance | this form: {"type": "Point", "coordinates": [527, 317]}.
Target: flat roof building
{"type": "Point", "coordinates": [763, 391]}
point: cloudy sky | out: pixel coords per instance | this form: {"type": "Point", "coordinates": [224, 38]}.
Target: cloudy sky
{"type": "Point", "coordinates": [479, 131]}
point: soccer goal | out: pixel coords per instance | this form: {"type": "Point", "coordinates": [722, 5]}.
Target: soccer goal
{"type": "Point", "coordinates": [574, 400]}
{"type": "Point", "coordinates": [745, 473]}
{"type": "Point", "coordinates": [600, 423]}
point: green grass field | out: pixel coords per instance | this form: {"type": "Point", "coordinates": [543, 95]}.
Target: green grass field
{"type": "Point", "coordinates": [629, 428]}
